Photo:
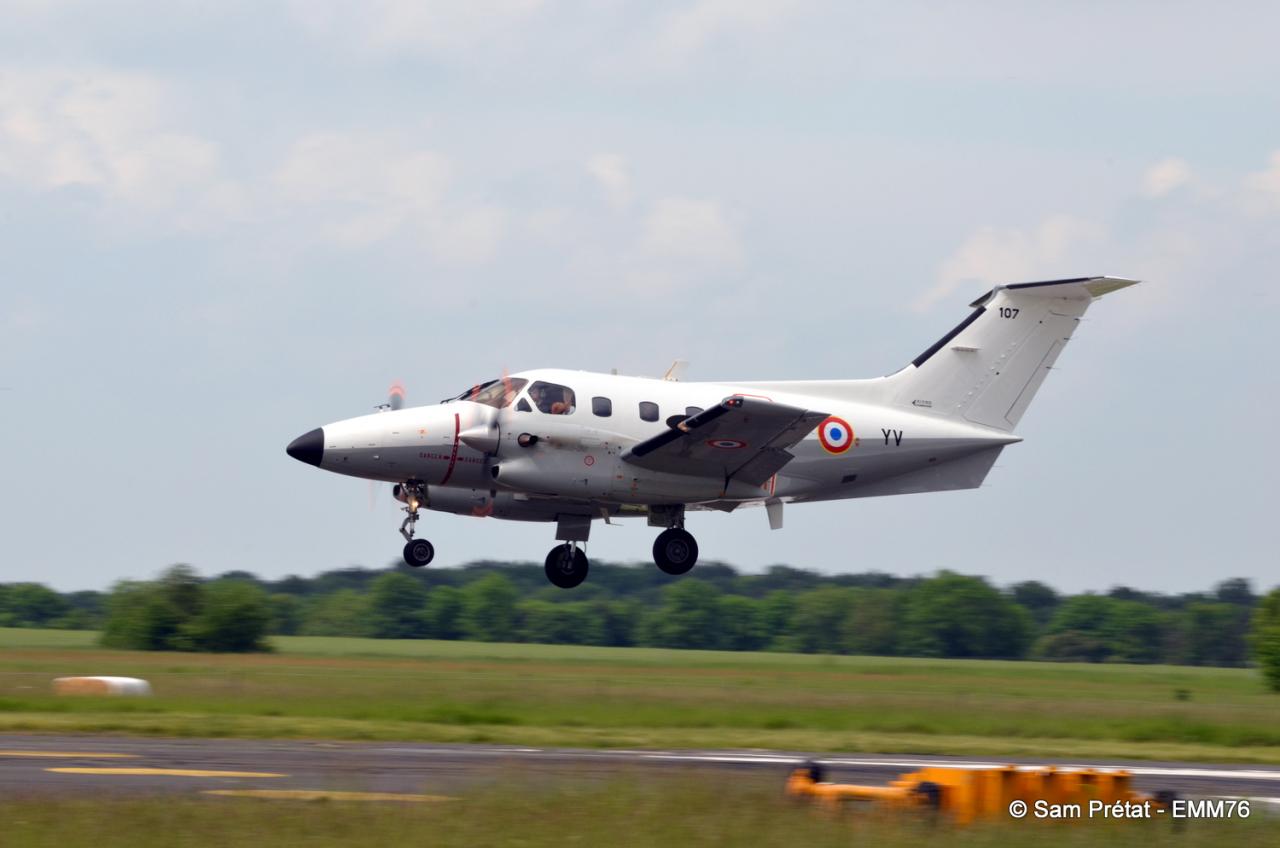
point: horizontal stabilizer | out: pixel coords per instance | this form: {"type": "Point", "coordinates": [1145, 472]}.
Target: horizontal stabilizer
{"type": "Point", "coordinates": [1083, 288]}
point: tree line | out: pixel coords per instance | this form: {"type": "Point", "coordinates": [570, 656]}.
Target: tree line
{"type": "Point", "coordinates": [718, 608]}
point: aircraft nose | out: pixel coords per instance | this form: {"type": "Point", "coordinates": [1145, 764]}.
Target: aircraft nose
{"type": "Point", "coordinates": [308, 448]}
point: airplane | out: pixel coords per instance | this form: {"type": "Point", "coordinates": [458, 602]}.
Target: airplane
{"type": "Point", "coordinates": [571, 447]}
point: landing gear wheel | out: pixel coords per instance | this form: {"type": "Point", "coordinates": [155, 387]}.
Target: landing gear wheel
{"type": "Point", "coordinates": [566, 566]}
{"type": "Point", "coordinates": [675, 551]}
{"type": "Point", "coordinates": [419, 552]}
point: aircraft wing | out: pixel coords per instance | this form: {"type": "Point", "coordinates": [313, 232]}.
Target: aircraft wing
{"type": "Point", "coordinates": [740, 438]}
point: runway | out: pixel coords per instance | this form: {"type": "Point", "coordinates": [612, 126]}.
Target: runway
{"type": "Point", "coordinates": [93, 766]}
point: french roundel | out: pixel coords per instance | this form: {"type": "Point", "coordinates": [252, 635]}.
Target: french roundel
{"type": "Point", "coordinates": [835, 434]}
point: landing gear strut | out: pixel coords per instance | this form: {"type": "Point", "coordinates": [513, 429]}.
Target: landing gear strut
{"type": "Point", "coordinates": [566, 565]}
{"type": "Point", "coordinates": [417, 552]}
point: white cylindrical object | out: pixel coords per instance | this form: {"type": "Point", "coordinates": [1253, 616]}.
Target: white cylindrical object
{"type": "Point", "coordinates": [101, 686]}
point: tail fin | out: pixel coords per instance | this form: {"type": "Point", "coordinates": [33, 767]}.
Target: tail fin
{"type": "Point", "coordinates": [989, 367]}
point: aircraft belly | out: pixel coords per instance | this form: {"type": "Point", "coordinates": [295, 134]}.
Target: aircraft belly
{"type": "Point", "coordinates": [510, 506]}
{"type": "Point", "coordinates": [941, 466]}
{"type": "Point", "coordinates": [641, 486]}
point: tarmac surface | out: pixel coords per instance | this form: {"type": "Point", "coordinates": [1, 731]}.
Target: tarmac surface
{"type": "Point", "coordinates": [94, 766]}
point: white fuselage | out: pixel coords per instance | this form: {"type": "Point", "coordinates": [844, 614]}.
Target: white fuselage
{"type": "Point", "coordinates": [470, 458]}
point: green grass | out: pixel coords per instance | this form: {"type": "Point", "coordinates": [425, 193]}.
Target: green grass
{"type": "Point", "coordinates": [640, 697]}
{"type": "Point", "coordinates": [655, 812]}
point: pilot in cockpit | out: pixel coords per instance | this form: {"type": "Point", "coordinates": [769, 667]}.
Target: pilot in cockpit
{"type": "Point", "coordinates": [564, 406]}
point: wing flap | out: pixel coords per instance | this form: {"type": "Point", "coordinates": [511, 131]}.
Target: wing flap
{"type": "Point", "coordinates": [743, 439]}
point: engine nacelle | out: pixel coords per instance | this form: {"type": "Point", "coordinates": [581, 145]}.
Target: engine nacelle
{"type": "Point", "coordinates": [560, 472]}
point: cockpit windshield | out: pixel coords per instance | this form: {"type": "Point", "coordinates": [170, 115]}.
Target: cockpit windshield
{"type": "Point", "coordinates": [496, 393]}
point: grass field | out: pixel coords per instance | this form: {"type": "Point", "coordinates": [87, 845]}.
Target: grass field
{"type": "Point", "coordinates": [613, 697]}
{"type": "Point", "coordinates": [651, 813]}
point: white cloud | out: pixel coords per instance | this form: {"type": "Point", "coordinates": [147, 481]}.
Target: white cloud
{"type": "Point", "coordinates": [378, 171]}
{"type": "Point", "coordinates": [364, 188]}
{"type": "Point", "coordinates": [120, 137]}
{"type": "Point", "coordinates": [994, 255]}
{"type": "Point", "coordinates": [113, 132]}
{"type": "Point", "coordinates": [1179, 247]}
{"type": "Point", "coordinates": [469, 238]}
{"type": "Point", "coordinates": [1263, 187]}
{"type": "Point", "coordinates": [438, 25]}
{"type": "Point", "coordinates": [553, 225]}
{"type": "Point", "coordinates": [689, 229]}
{"type": "Point", "coordinates": [611, 173]}
{"type": "Point", "coordinates": [690, 29]}
{"type": "Point", "coordinates": [1165, 176]}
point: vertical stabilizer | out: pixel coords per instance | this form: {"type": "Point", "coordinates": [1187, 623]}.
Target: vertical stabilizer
{"type": "Point", "coordinates": [988, 368]}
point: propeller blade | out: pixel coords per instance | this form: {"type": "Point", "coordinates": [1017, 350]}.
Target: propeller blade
{"type": "Point", "coordinates": [395, 395]}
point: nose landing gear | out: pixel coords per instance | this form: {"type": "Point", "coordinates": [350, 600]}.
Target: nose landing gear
{"type": "Point", "coordinates": [566, 565]}
{"type": "Point", "coordinates": [417, 552]}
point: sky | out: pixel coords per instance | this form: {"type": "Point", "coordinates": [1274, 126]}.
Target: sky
{"type": "Point", "coordinates": [222, 225]}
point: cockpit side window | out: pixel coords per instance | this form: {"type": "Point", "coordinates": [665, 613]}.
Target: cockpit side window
{"type": "Point", "coordinates": [496, 393]}
{"type": "Point", "coordinates": [553, 398]}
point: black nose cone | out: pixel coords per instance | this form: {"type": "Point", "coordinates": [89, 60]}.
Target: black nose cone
{"type": "Point", "coordinates": [308, 448]}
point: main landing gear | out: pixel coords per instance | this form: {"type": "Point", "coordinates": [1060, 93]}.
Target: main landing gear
{"type": "Point", "coordinates": [417, 552]}
{"type": "Point", "coordinates": [675, 550]}
{"type": "Point", "coordinates": [566, 565]}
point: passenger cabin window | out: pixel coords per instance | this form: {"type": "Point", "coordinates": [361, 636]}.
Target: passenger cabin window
{"type": "Point", "coordinates": [552, 398]}
{"type": "Point", "coordinates": [690, 411]}
{"type": "Point", "coordinates": [648, 411]}
{"type": "Point", "coordinates": [602, 407]}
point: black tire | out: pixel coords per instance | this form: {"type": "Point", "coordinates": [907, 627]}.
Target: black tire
{"type": "Point", "coordinates": [929, 794]}
{"type": "Point", "coordinates": [817, 773]}
{"type": "Point", "coordinates": [675, 551]}
{"type": "Point", "coordinates": [419, 552]}
{"type": "Point", "coordinates": [566, 566]}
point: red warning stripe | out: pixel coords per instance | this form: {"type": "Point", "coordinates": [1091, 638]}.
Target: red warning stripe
{"type": "Point", "coordinates": [453, 459]}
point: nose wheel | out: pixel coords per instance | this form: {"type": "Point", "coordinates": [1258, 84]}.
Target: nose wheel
{"type": "Point", "coordinates": [566, 565]}
{"type": "Point", "coordinates": [417, 552]}
{"type": "Point", "coordinates": [675, 551]}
